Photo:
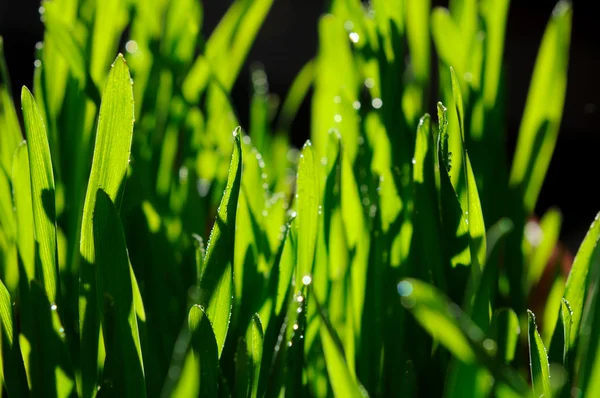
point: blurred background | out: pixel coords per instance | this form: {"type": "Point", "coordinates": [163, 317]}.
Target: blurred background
{"type": "Point", "coordinates": [288, 39]}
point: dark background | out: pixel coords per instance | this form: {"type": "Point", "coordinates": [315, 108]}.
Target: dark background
{"type": "Point", "coordinates": [288, 39]}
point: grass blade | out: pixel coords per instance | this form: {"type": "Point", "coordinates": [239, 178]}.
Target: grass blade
{"type": "Point", "coordinates": [115, 298]}
{"type": "Point", "coordinates": [109, 168]}
{"type": "Point", "coordinates": [307, 207]}
{"type": "Point", "coordinates": [216, 281]}
{"type": "Point", "coordinates": [12, 371]}
{"type": "Point", "coordinates": [543, 111]}
{"type": "Point", "coordinates": [505, 331]}
{"type": "Point", "coordinates": [550, 225]}
{"type": "Point", "coordinates": [540, 369]}
{"type": "Point", "coordinates": [42, 190]}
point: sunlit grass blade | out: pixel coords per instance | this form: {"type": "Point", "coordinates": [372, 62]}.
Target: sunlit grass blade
{"type": "Point", "coordinates": [540, 369]}
{"type": "Point", "coordinates": [9, 122]}
{"type": "Point", "coordinates": [254, 347]}
{"type": "Point", "coordinates": [216, 281]}
{"type": "Point", "coordinates": [199, 376]}
{"type": "Point", "coordinates": [12, 371]}
{"type": "Point", "coordinates": [550, 226]}
{"type": "Point", "coordinates": [115, 298]}
{"type": "Point", "coordinates": [21, 183]}
{"type": "Point", "coordinates": [296, 94]}
{"type": "Point", "coordinates": [543, 111]}
{"type": "Point", "coordinates": [236, 33]}
{"type": "Point", "coordinates": [446, 322]}
{"type": "Point", "coordinates": [109, 171]}
{"type": "Point", "coordinates": [343, 382]}
{"type": "Point", "coordinates": [578, 282]}
{"type": "Point", "coordinates": [307, 206]}
{"type": "Point", "coordinates": [494, 13]}
{"type": "Point", "coordinates": [43, 201]}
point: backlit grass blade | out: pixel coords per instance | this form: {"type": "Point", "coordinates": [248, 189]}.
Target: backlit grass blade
{"type": "Point", "coordinates": [474, 214]}
{"type": "Point", "coordinates": [578, 282]}
{"type": "Point", "coordinates": [343, 382]}
{"type": "Point", "coordinates": [254, 347]}
{"type": "Point", "coordinates": [538, 359]}
{"type": "Point", "coordinates": [560, 352]}
{"type": "Point", "coordinates": [116, 299]}
{"type": "Point", "coordinates": [10, 129]}
{"type": "Point", "coordinates": [21, 183]}
{"type": "Point", "coordinates": [494, 13]}
{"type": "Point", "coordinates": [42, 190]}
{"type": "Point", "coordinates": [446, 322]}
{"type": "Point", "coordinates": [216, 282]}
{"type": "Point", "coordinates": [235, 33]}
{"type": "Point", "coordinates": [296, 94]}
{"type": "Point", "coordinates": [110, 18]}
{"type": "Point", "coordinates": [12, 371]}
{"type": "Point", "coordinates": [417, 29]}
{"type": "Point", "coordinates": [307, 206]}
{"type": "Point", "coordinates": [199, 376]}
{"type": "Point", "coordinates": [543, 111]}
{"type": "Point", "coordinates": [109, 170]}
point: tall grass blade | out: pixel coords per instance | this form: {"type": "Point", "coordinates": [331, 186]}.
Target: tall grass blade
{"type": "Point", "coordinates": [540, 369]}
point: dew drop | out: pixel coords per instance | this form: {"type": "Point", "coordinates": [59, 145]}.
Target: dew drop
{"type": "Point", "coordinates": [354, 37]}
{"type": "Point", "coordinates": [405, 288]}
{"type": "Point", "coordinates": [337, 99]}
{"type": "Point", "coordinates": [131, 47]}
{"type": "Point", "coordinates": [37, 63]}
{"type": "Point", "coordinates": [295, 326]}
{"type": "Point", "coordinates": [306, 280]}
{"type": "Point", "coordinates": [53, 307]}
{"type": "Point", "coordinates": [356, 105]}
{"type": "Point", "coordinates": [337, 118]}
{"type": "Point", "coordinates": [369, 82]}
{"type": "Point", "coordinates": [414, 161]}
{"type": "Point", "coordinates": [377, 103]}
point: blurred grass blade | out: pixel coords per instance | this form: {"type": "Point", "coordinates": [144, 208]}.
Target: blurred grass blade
{"type": "Point", "coordinates": [115, 298]}
{"type": "Point", "coordinates": [42, 190]}
{"type": "Point", "coordinates": [110, 18]}
{"type": "Point", "coordinates": [307, 207]}
{"type": "Point", "coordinates": [417, 24]}
{"type": "Point", "coordinates": [12, 371]}
{"type": "Point", "coordinates": [108, 172]}
{"type": "Point", "coordinates": [494, 13]}
{"type": "Point", "coordinates": [505, 331]}
{"type": "Point", "coordinates": [540, 369]}
{"type": "Point", "coordinates": [543, 111]}
{"type": "Point", "coordinates": [578, 282]}
{"type": "Point", "coordinates": [216, 281]}
{"type": "Point", "coordinates": [446, 323]}
{"type": "Point", "coordinates": [550, 225]}
{"type": "Point", "coordinates": [295, 96]}
{"type": "Point", "coordinates": [227, 47]}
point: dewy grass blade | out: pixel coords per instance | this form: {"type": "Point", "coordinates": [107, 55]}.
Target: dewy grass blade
{"type": "Point", "coordinates": [540, 369]}
{"type": "Point", "coordinates": [42, 190]}
{"type": "Point", "coordinates": [9, 122]}
{"type": "Point", "coordinates": [307, 207]}
{"type": "Point", "coordinates": [109, 171]}
{"type": "Point", "coordinates": [116, 298]}
{"type": "Point", "coordinates": [254, 347]}
{"type": "Point", "coordinates": [216, 284]}
{"type": "Point", "coordinates": [543, 111]}
{"type": "Point", "coordinates": [578, 282]}
{"type": "Point", "coordinates": [12, 371]}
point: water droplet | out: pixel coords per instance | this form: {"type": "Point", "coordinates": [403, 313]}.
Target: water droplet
{"type": "Point", "coordinates": [300, 298]}
{"type": "Point", "coordinates": [37, 63]}
{"type": "Point", "coordinates": [39, 45]}
{"type": "Point", "coordinates": [348, 25]}
{"type": "Point", "coordinates": [377, 103]}
{"type": "Point", "coordinates": [354, 37]}
{"type": "Point", "coordinates": [337, 99]}
{"type": "Point", "coordinates": [468, 77]}
{"type": "Point", "coordinates": [246, 140]}
{"type": "Point", "coordinates": [361, 140]}
{"type": "Point", "coordinates": [414, 161]}
{"type": "Point", "coordinates": [295, 327]}
{"type": "Point", "coordinates": [306, 280]}
{"type": "Point", "coordinates": [369, 82]}
{"type": "Point", "coordinates": [324, 161]}
{"type": "Point", "coordinates": [533, 233]}
{"type": "Point", "coordinates": [405, 288]}
{"type": "Point", "coordinates": [41, 10]}
{"type": "Point", "coordinates": [265, 213]}
{"type": "Point", "coordinates": [290, 344]}
{"type": "Point", "coordinates": [356, 105]}
{"type": "Point", "coordinates": [183, 174]}
{"type": "Point", "coordinates": [131, 47]}
{"type": "Point", "coordinates": [489, 344]}
{"type": "Point", "coordinates": [53, 307]}
{"type": "Point", "coordinates": [337, 118]}
{"type": "Point", "coordinates": [320, 209]}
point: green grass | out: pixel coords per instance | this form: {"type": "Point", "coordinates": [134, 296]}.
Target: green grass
{"type": "Point", "coordinates": [149, 246]}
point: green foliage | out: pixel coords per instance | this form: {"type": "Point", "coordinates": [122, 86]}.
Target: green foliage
{"type": "Point", "coordinates": [392, 257]}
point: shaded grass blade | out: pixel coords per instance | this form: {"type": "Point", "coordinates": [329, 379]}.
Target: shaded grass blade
{"type": "Point", "coordinates": [540, 369]}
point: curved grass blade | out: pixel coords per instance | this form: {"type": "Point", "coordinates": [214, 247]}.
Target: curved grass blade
{"type": "Point", "coordinates": [307, 207]}
{"type": "Point", "coordinates": [446, 323]}
{"type": "Point", "coordinates": [108, 172]}
{"type": "Point", "coordinates": [550, 225]}
{"type": "Point", "coordinates": [12, 370]}
{"type": "Point", "coordinates": [578, 282]}
{"type": "Point", "coordinates": [543, 111]}
{"type": "Point", "coordinates": [505, 331]}
{"type": "Point", "coordinates": [116, 298]}
{"type": "Point", "coordinates": [540, 369]}
{"type": "Point", "coordinates": [42, 190]}
{"type": "Point", "coordinates": [216, 281]}
{"type": "Point", "coordinates": [296, 94]}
